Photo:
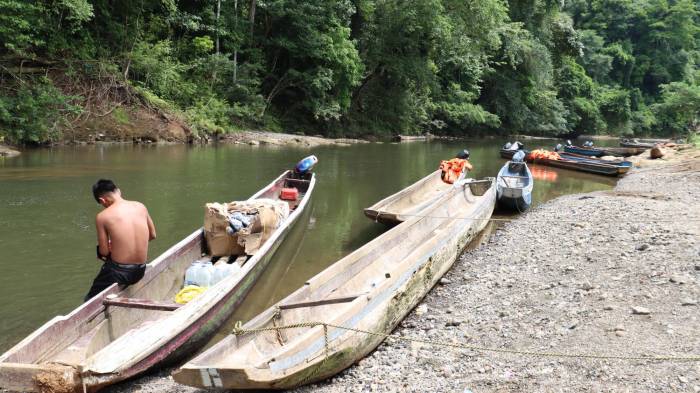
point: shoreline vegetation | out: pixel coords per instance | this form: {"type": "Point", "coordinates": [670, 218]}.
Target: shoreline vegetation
{"type": "Point", "coordinates": [609, 272]}
{"type": "Point", "coordinates": [80, 70]}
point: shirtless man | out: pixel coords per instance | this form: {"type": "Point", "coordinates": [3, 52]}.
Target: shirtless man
{"type": "Point", "coordinates": [124, 229]}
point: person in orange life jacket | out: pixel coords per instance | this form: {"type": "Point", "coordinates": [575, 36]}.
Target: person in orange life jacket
{"type": "Point", "coordinates": [452, 169]}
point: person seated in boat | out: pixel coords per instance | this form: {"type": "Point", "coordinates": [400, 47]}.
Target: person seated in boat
{"type": "Point", "coordinates": [453, 169]}
{"type": "Point", "coordinates": [124, 229]}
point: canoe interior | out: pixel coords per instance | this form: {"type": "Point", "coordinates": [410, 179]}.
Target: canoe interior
{"type": "Point", "coordinates": [74, 339]}
{"type": "Point", "coordinates": [360, 290]}
{"type": "Point", "coordinates": [410, 201]}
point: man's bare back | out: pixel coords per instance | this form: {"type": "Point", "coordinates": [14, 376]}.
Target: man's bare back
{"type": "Point", "coordinates": [124, 230]}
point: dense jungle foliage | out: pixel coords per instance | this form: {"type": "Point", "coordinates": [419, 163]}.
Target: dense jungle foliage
{"type": "Point", "coordinates": [358, 67]}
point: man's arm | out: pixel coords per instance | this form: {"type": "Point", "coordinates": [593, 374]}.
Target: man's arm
{"type": "Point", "coordinates": [102, 239]}
{"type": "Point", "coordinates": [151, 227]}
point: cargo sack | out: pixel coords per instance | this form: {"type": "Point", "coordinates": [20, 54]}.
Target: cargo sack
{"type": "Point", "coordinates": [218, 241]}
{"type": "Point", "coordinates": [268, 215]}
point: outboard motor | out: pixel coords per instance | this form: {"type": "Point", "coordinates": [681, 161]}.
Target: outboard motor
{"type": "Point", "coordinates": [306, 164]}
{"type": "Point", "coordinates": [519, 156]}
{"type": "Point", "coordinates": [568, 142]}
{"type": "Point", "coordinates": [558, 147]}
{"type": "Point", "coordinates": [464, 154]}
{"type": "Point", "coordinates": [507, 146]}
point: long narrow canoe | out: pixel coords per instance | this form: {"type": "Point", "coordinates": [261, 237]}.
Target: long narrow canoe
{"type": "Point", "coordinates": [604, 151]}
{"type": "Point", "coordinates": [594, 160]}
{"type": "Point", "coordinates": [373, 289]}
{"type": "Point", "coordinates": [583, 166]}
{"type": "Point", "coordinates": [111, 338]}
{"type": "Point", "coordinates": [408, 202]}
{"type": "Point", "coordinates": [637, 144]}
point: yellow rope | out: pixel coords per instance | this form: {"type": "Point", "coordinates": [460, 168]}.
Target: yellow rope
{"type": "Point", "coordinates": [239, 330]}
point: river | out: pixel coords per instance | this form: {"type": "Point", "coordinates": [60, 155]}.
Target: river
{"type": "Point", "coordinates": [47, 237]}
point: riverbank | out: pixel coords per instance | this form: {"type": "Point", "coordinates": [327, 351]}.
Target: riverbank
{"type": "Point", "coordinates": [610, 273]}
{"type": "Point", "coordinates": [255, 138]}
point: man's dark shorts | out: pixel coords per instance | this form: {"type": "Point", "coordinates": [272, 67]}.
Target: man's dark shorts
{"type": "Point", "coordinates": [112, 272]}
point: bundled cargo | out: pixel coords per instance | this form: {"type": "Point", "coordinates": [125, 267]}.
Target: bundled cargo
{"type": "Point", "coordinates": [241, 227]}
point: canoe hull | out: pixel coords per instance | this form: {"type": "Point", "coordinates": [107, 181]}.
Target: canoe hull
{"type": "Point", "coordinates": [178, 342]}
{"type": "Point", "coordinates": [514, 196]}
{"type": "Point", "coordinates": [599, 169]}
{"type": "Point", "coordinates": [380, 312]}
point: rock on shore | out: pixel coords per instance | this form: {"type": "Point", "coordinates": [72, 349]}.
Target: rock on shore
{"type": "Point", "coordinates": [6, 151]}
{"type": "Point", "coordinates": [610, 273]}
{"type": "Point", "coordinates": [254, 138]}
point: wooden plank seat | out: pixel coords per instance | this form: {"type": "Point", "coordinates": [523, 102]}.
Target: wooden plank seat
{"type": "Point", "coordinates": [322, 302]}
{"type": "Point", "coordinates": [145, 304]}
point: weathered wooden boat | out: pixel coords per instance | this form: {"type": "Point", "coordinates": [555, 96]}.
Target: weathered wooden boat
{"type": "Point", "coordinates": [514, 185]}
{"type": "Point", "coordinates": [637, 144]}
{"type": "Point", "coordinates": [111, 338]}
{"type": "Point", "coordinates": [408, 202]}
{"type": "Point", "coordinates": [594, 160]}
{"type": "Point", "coordinates": [584, 151]}
{"type": "Point", "coordinates": [583, 166]}
{"type": "Point", "coordinates": [373, 289]}
{"type": "Point", "coordinates": [604, 151]}
{"type": "Point", "coordinates": [508, 153]}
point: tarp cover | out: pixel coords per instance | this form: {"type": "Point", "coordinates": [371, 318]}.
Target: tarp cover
{"type": "Point", "coordinates": [269, 215]}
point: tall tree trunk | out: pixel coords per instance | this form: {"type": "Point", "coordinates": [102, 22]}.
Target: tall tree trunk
{"type": "Point", "coordinates": [218, 14]}
{"type": "Point", "coordinates": [235, 49]}
{"type": "Point", "coordinates": [252, 19]}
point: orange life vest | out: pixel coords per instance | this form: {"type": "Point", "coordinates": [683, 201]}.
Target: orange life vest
{"type": "Point", "coordinates": [546, 154]}
{"type": "Point", "coordinates": [453, 168]}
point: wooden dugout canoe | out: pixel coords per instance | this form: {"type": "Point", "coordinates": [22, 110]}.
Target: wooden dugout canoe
{"type": "Point", "coordinates": [104, 340]}
{"type": "Point", "coordinates": [373, 289]}
{"type": "Point", "coordinates": [582, 166]}
{"type": "Point", "coordinates": [408, 202]}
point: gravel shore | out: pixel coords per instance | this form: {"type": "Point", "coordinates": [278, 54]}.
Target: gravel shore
{"type": "Point", "coordinates": [255, 138]}
{"type": "Point", "coordinates": [608, 273]}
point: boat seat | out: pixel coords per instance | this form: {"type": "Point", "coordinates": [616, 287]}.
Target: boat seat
{"type": "Point", "coordinates": [322, 302]}
{"type": "Point", "coordinates": [145, 304]}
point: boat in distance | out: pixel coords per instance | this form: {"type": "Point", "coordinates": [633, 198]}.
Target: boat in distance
{"type": "Point", "coordinates": [120, 333]}
{"type": "Point", "coordinates": [583, 166]}
{"type": "Point", "coordinates": [408, 202]}
{"type": "Point", "coordinates": [514, 185]}
{"type": "Point", "coordinates": [604, 151]}
{"type": "Point", "coordinates": [371, 289]}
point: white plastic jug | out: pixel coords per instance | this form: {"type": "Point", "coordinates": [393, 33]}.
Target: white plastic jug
{"type": "Point", "coordinates": [204, 274]}
{"type": "Point", "coordinates": [192, 272]}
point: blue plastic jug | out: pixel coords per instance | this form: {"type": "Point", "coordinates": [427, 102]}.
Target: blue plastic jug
{"type": "Point", "coordinates": [306, 164]}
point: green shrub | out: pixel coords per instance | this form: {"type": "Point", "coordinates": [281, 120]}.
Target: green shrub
{"type": "Point", "coordinates": [34, 112]}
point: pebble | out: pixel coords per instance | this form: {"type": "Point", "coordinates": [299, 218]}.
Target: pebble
{"type": "Point", "coordinates": [642, 247]}
{"type": "Point", "coordinates": [689, 302]}
{"type": "Point", "coordinates": [638, 310]}
{"type": "Point", "coordinates": [444, 281]}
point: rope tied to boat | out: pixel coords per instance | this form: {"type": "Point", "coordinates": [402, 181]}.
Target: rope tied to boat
{"type": "Point", "coordinates": [238, 330]}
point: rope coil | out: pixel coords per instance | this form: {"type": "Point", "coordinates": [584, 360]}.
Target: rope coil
{"type": "Point", "coordinates": [238, 330]}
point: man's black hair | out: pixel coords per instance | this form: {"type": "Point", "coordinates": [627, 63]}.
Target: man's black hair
{"type": "Point", "coordinates": [102, 187]}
